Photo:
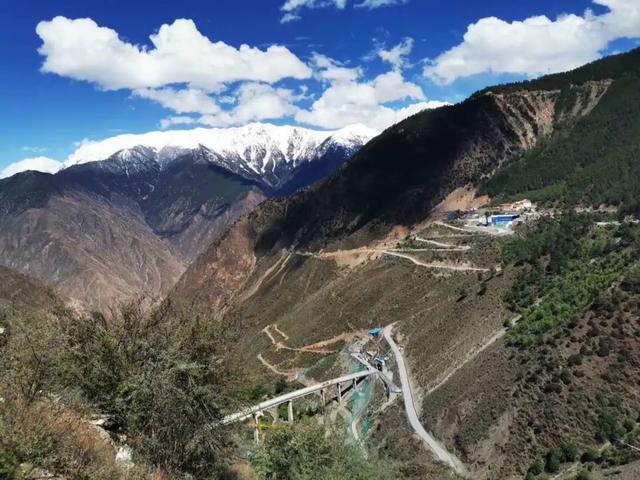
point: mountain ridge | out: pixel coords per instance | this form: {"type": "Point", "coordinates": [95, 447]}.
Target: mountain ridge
{"type": "Point", "coordinates": [137, 218]}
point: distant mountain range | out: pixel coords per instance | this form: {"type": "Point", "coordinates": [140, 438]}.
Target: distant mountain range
{"type": "Point", "coordinates": [267, 154]}
{"type": "Point", "coordinates": [105, 230]}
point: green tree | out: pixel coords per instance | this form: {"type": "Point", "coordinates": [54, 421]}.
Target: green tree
{"type": "Point", "coordinates": [569, 452]}
{"type": "Point", "coordinates": [553, 460]}
{"type": "Point", "coordinates": [306, 451]}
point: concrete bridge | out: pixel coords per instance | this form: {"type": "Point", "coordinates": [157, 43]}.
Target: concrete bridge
{"type": "Point", "coordinates": [342, 386]}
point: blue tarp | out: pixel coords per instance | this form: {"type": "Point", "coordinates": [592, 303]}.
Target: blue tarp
{"type": "Point", "coordinates": [375, 332]}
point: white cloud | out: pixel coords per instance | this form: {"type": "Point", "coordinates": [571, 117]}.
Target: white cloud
{"type": "Point", "coordinates": [396, 55]}
{"type": "Point", "coordinates": [82, 50]}
{"type": "Point", "coordinates": [31, 149]}
{"type": "Point", "coordinates": [289, 17]}
{"type": "Point", "coordinates": [330, 70]}
{"type": "Point", "coordinates": [294, 5]}
{"type": "Point", "coordinates": [184, 71]}
{"type": "Point", "coordinates": [371, 4]}
{"type": "Point", "coordinates": [536, 45]}
{"type": "Point", "coordinates": [349, 99]}
{"type": "Point", "coordinates": [254, 102]}
{"type": "Point", "coordinates": [214, 84]}
{"type": "Point", "coordinates": [292, 8]}
{"type": "Point", "coordinates": [38, 164]}
{"type": "Point", "coordinates": [374, 116]}
{"type": "Point", "coordinates": [176, 120]}
{"type": "Point", "coordinates": [188, 100]}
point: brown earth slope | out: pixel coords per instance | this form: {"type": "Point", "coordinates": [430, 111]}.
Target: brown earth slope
{"type": "Point", "coordinates": [95, 252]}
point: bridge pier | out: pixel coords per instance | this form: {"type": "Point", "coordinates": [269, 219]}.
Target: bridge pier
{"type": "Point", "coordinates": [275, 414]}
{"type": "Point", "coordinates": [256, 411]}
{"type": "Point", "coordinates": [256, 429]}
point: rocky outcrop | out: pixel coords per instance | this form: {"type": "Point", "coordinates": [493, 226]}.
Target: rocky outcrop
{"type": "Point", "coordinates": [220, 272]}
{"type": "Point", "coordinates": [583, 99]}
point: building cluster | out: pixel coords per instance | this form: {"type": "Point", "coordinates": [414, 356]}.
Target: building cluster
{"type": "Point", "coordinates": [503, 216]}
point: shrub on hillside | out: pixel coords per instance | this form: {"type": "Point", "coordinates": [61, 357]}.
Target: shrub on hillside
{"type": "Point", "coordinates": [158, 380]}
{"type": "Point", "coordinates": [589, 455]}
{"type": "Point", "coordinates": [553, 460]}
{"type": "Point", "coordinates": [609, 427]}
{"type": "Point", "coordinates": [569, 452]}
{"type": "Point", "coordinates": [306, 451]}
{"type": "Point", "coordinates": [583, 475]}
{"type": "Point", "coordinates": [536, 468]}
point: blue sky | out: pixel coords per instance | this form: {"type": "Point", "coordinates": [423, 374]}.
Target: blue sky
{"type": "Point", "coordinates": [339, 61]}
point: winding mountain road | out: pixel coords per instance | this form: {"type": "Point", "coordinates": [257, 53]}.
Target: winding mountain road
{"type": "Point", "coordinates": [442, 266]}
{"type": "Point", "coordinates": [436, 447]}
{"type": "Point", "coordinates": [442, 245]}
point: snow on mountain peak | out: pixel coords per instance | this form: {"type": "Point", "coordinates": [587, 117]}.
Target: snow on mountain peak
{"type": "Point", "coordinates": [356, 130]}
{"type": "Point", "coordinates": [255, 143]}
{"type": "Point", "coordinates": [256, 150]}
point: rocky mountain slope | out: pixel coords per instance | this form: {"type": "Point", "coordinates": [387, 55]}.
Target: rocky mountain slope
{"type": "Point", "coordinates": [105, 231]}
{"type": "Point", "coordinates": [342, 256]}
{"type": "Point", "coordinates": [394, 181]}
{"type": "Point", "coordinates": [20, 291]}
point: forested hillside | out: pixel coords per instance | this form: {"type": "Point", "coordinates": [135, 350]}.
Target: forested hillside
{"type": "Point", "coordinates": [592, 161]}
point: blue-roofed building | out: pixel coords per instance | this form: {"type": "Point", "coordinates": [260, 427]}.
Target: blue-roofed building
{"type": "Point", "coordinates": [504, 220]}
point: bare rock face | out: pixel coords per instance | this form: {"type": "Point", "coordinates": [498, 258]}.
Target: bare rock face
{"type": "Point", "coordinates": [219, 273]}
{"type": "Point", "coordinates": [209, 221]}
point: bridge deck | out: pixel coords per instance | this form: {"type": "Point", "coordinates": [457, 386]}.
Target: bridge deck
{"type": "Point", "coordinates": [274, 402]}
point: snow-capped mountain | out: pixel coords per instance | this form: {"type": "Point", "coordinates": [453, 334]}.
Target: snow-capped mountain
{"type": "Point", "coordinates": [127, 214]}
{"type": "Point", "coordinates": [264, 153]}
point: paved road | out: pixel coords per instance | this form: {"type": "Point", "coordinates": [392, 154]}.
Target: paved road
{"type": "Point", "coordinates": [436, 447]}
{"type": "Point", "coordinates": [489, 230]}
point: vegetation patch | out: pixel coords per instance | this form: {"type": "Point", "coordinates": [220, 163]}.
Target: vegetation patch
{"type": "Point", "coordinates": [568, 262]}
{"type": "Point", "coordinates": [158, 384]}
{"type": "Point", "coordinates": [307, 451]}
